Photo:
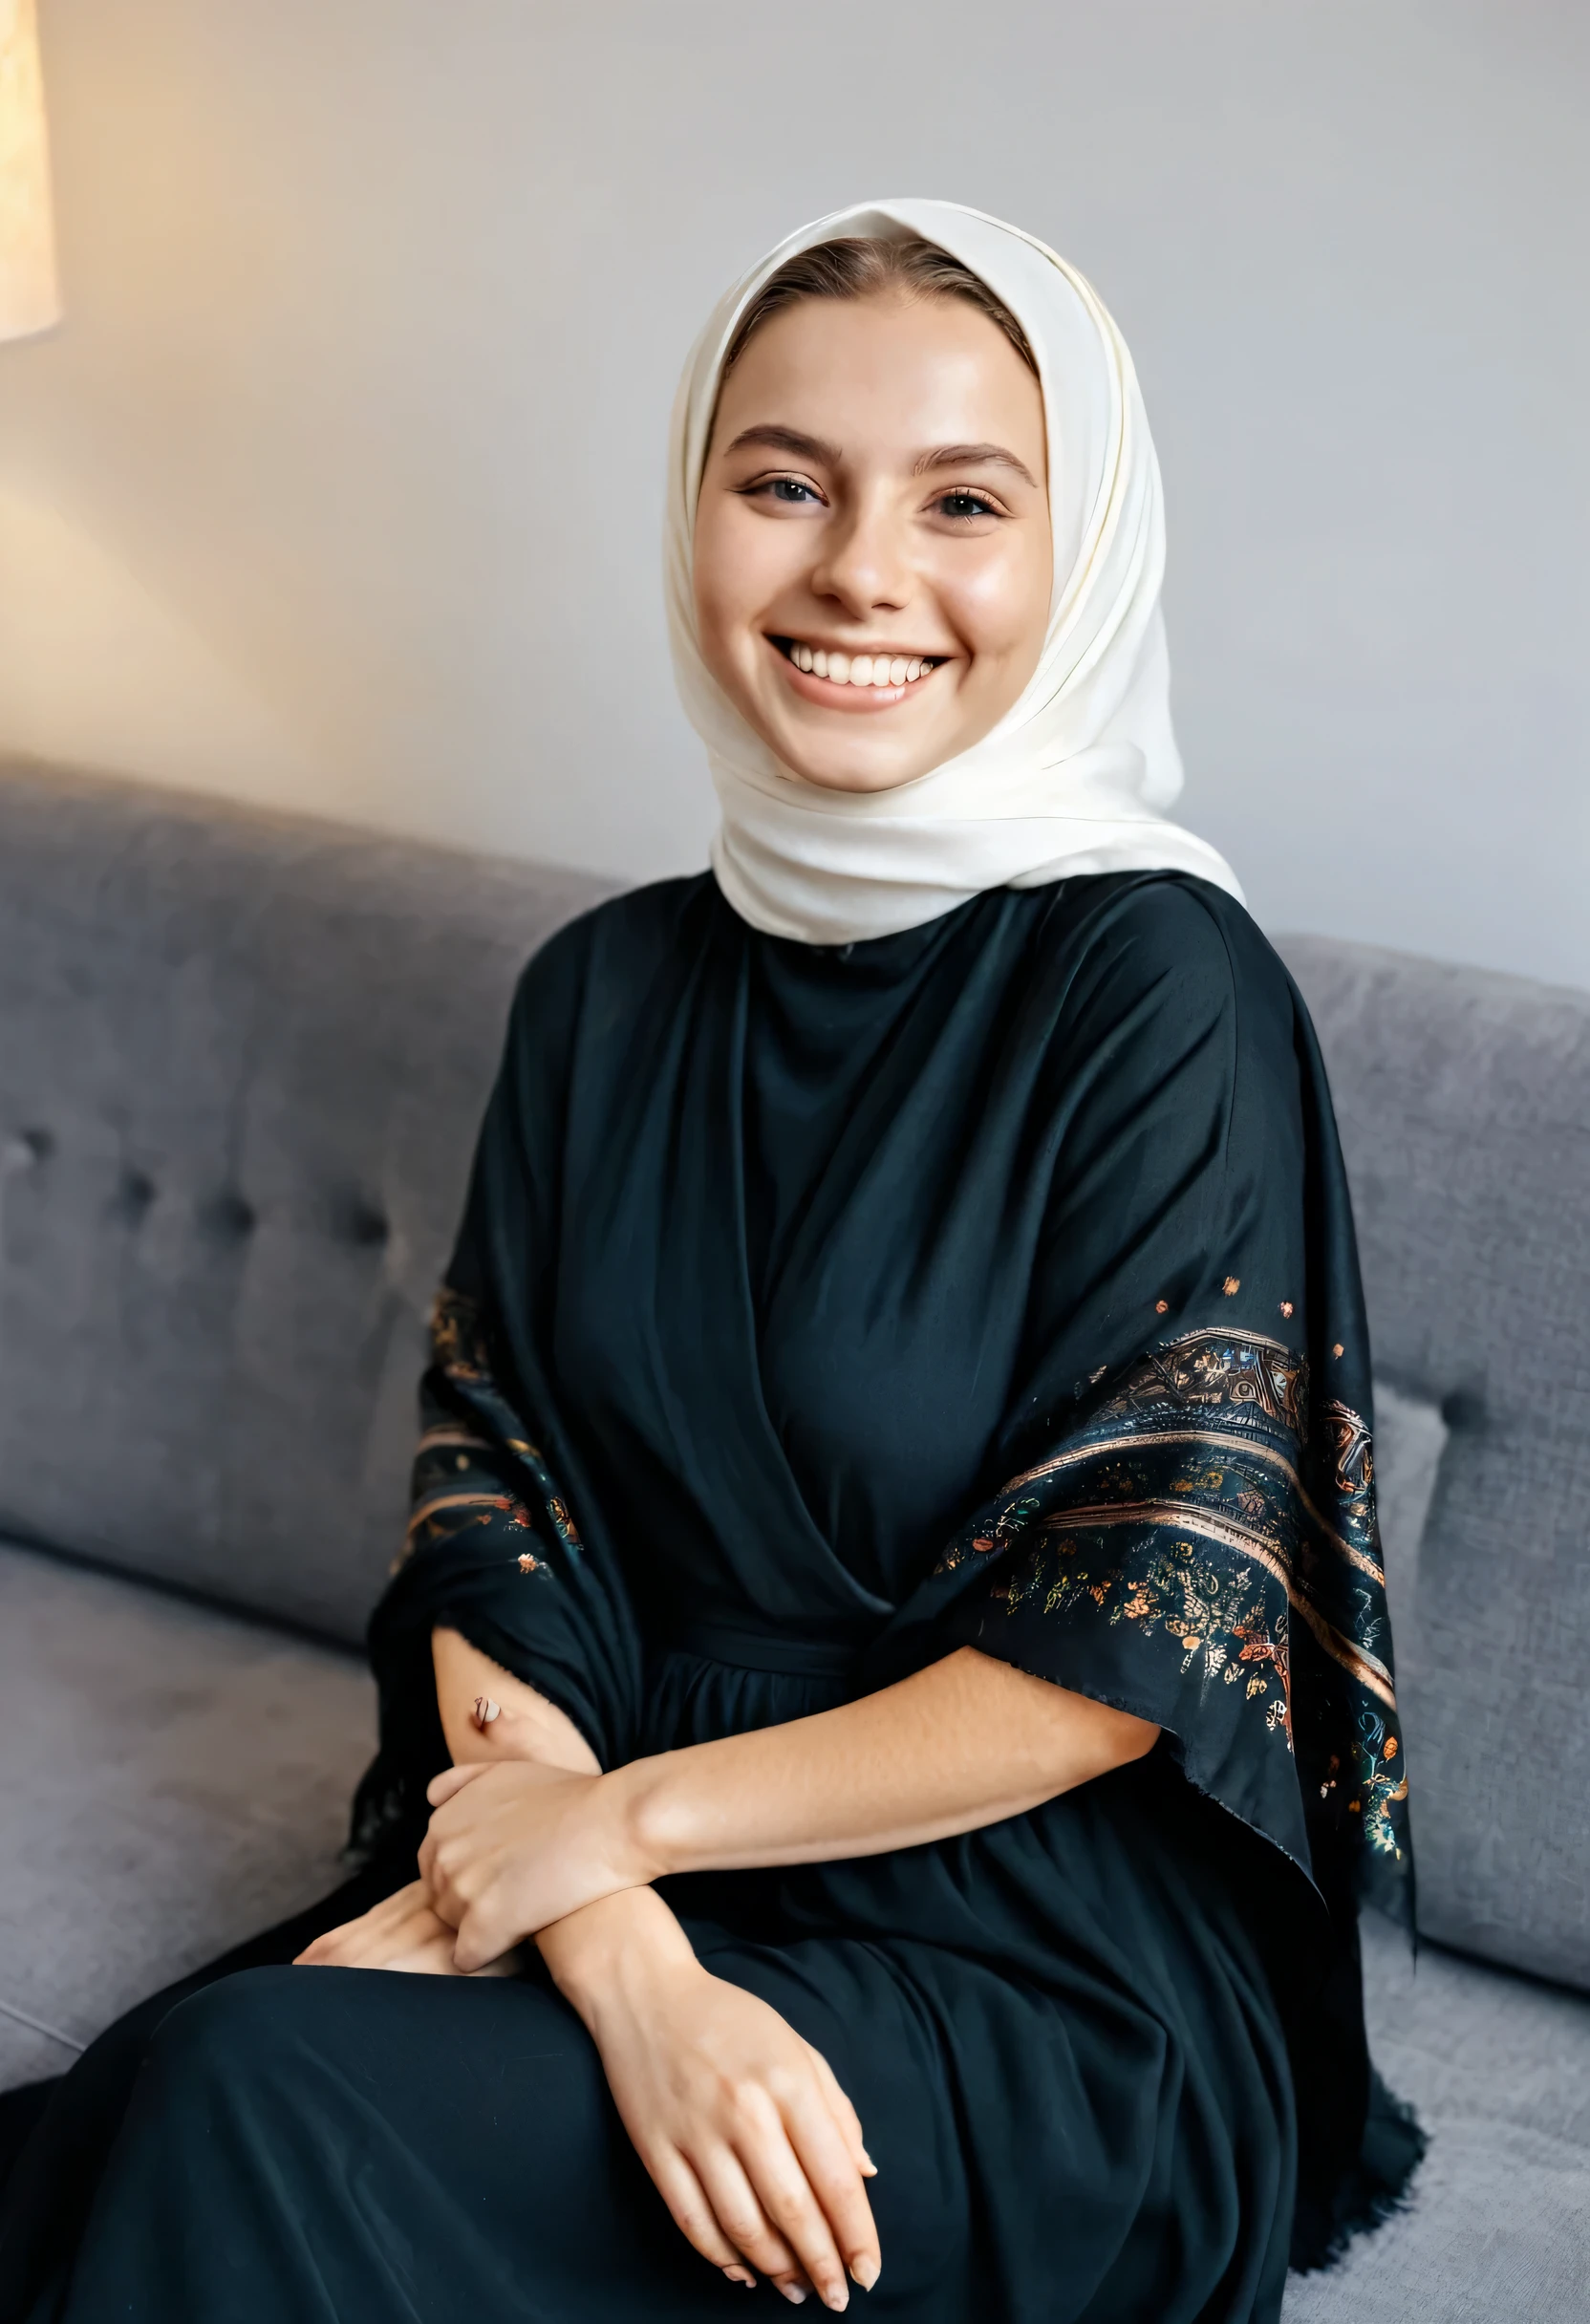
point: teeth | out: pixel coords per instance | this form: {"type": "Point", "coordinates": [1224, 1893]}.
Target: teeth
{"type": "Point", "coordinates": [860, 669]}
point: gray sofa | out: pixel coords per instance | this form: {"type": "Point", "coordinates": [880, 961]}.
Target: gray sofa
{"type": "Point", "coordinates": [241, 1058]}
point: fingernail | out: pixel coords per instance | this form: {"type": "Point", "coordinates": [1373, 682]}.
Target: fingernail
{"type": "Point", "coordinates": [866, 2270]}
{"type": "Point", "coordinates": [793, 2291]}
{"type": "Point", "coordinates": [836, 2299]}
{"type": "Point", "coordinates": [741, 2275]}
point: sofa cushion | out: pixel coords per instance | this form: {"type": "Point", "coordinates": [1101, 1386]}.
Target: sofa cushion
{"type": "Point", "coordinates": [1464, 1100]}
{"type": "Point", "coordinates": [244, 1064]}
{"type": "Point", "coordinates": [176, 1780]}
{"type": "Point", "coordinates": [1498, 2227]}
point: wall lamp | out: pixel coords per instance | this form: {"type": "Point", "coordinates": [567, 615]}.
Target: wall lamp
{"type": "Point", "coordinates": [30, 294]}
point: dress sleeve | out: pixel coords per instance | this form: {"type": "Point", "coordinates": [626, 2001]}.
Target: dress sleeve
{"type": "Point", "coordinates": [494, 1547]}
{"type": "Point", "coordinates": [1186, 1526]}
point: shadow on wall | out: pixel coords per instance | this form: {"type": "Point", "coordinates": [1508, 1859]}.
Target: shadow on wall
{"type": "Point", "coordinates": [96, 671]}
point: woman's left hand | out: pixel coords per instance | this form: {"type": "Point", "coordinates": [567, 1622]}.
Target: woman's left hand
{"type": "Point", "coordinates": [513, 1848]}
{"type": "Point", "coordinates": [402, 1933]}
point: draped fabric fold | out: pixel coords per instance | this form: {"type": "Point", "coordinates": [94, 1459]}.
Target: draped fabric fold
{"type": "Point", "coordinates": [488, 1515]}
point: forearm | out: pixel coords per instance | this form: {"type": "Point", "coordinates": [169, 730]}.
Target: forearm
{"type": "Point", "coordinates": [961, 1745]}
{"type": "Point", "coordinates": [514, 1849]}
{"type": "Point", "coordinates": [527, 1727]}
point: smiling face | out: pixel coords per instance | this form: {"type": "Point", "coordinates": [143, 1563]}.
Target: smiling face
{"type": "Point", "coordinates": [872, 558]}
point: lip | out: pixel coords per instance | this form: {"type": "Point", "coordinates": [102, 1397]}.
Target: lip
{"type": "Point", "coordinates": [860, 702]}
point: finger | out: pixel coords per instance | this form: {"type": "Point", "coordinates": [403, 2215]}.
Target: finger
{"type": "Point", "coordinates": [434, 1958]}
{"type": "Point", "coordinates": [452, 1779]}
{"type": "Point", "coordinates": [355, 1949]}
{"type": "Point", "coordinates": [680, 2189]}
{"type": "Point", "coordinates": [505, 1964]}
{"type": "Point", "coordinates": [843, 2112]}
{"type": "Point", "coordinates": [410, 1909]}
{"type": "Point", "coordinates": [438, 1887]}
{"type": "Point", "coordinates": [427, 1869]}
{"type": "Point", "coordinates": [322, 1952]}
{"type": "Point", "coordinates": [483, 1936]}
{"type": "Point", "coordinates": [795, 2285]}
{"type": "Point", "coordinates": [391, 1924]}
{"type": "Point", "coordinates": [787, 2195]}
{"type": "Point", "coordinates": [740, 2216]}
{"type": "Point", "coordinates": [392, 1907]}
{"type": "Point", "coordinates": [830, 2171]}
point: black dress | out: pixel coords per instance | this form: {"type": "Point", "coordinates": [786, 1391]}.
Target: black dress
{"type": "Point", "coordinates": [816, 1312]}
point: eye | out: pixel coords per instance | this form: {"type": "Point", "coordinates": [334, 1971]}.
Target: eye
{"type": "Point", "coordinates": [786, 491]}
{"type": "Point", "coordinates": [961, 507]}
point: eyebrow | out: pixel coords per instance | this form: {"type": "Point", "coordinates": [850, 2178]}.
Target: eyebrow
{"type": "Point", "coordinates": [789, 440]}
{"type": "Point", "coordinates": [974, 456]}
{"type": "Point", "coordinates": [771, 439]}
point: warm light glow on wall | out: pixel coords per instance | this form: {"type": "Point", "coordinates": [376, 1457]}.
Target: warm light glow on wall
{"type": "Point", "coordinates": [29, 298]}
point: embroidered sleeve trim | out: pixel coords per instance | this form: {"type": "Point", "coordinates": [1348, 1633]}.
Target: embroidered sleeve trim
{"type": "Point", "coordinates": [472, 1466]}
{"type": "Point", "coordinates": [1207, 1503]}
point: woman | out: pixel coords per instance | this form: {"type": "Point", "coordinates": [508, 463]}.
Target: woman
{"type": "Point", "coordinates": [894, 1562]}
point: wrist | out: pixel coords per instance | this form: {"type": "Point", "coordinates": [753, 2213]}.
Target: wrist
{"type": "Point", "coordinates": [643, 1843]}
{"type": "Point", "coordinates": [610, 1953]}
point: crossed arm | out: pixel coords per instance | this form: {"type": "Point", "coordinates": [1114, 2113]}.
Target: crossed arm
{"type": "Point", "coordinates": [741, 2124]}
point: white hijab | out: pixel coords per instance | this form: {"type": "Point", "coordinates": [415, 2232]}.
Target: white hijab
{"type": "Point", "coordinates": [1073, 778]}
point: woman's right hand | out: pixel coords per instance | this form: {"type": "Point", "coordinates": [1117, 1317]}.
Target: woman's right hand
{"type": "Point", "coordinates": [748, 2136]}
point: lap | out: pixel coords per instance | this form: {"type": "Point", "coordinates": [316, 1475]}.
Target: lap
{"type": "Point", "coordinates": [367, 2145]}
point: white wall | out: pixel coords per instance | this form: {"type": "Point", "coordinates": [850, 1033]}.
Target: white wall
{"type": "Point", "coordinates": [340, 484]}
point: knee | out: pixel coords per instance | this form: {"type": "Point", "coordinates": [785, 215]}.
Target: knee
{"type": "Point", "coordinates": [231, 2032]}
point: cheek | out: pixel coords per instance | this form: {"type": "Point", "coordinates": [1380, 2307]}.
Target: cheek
{"type": "Point", "coordinates": [740, 564]}
{"type": "Point", "coordinates": [714, 576]}
{"type": "Point", "coordinates": [1000, 602]}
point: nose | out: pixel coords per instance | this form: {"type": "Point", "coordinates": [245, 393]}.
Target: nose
{"type": "Point", "coordinates": [863, 563]}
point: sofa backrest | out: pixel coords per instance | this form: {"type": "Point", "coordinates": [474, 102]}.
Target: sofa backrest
{"type": "Point", "coordinates": [1464, 1101]}
{"type": "Point", "coordinates": [243, 1060]}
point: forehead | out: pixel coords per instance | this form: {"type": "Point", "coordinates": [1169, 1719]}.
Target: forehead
{"type": "Point", "coordinates": [886, 376]}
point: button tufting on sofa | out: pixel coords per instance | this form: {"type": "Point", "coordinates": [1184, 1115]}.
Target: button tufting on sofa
{"type": "Point", "coordinates": [359, 1222]}
{"type": "Point", "coordinates": [227, 1216]}
{"type": "Point", "coordinates": [134, 1197]}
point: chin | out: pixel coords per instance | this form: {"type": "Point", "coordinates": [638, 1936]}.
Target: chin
{"type": "Point", "coordinates": [832, 769]}
{"type": "Point", "coordinates": [823, 776]}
